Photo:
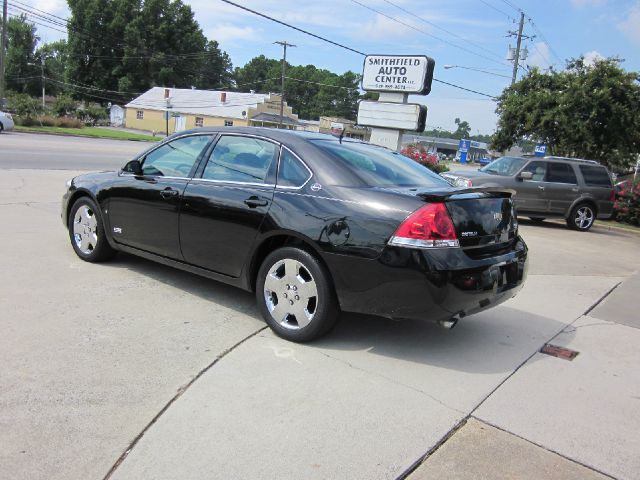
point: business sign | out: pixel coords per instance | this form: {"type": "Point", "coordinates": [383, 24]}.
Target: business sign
{"type": "Point", "coordinates": [463, 146]}
{"type": "Point", "coordinates": [540, 150]}
{"type": "Point", "coordinates": [397, 116]}
{"type": "Point", "coordinates": [398, 73]}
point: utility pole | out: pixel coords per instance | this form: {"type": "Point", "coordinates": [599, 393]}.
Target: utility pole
{"type": "Point", "coordinates": [42, 78]}
{"type": "Point", "coordinates": [516, 59]}
{"type": "Point", "coordinates": [284, 66]}
{"type": "Point", "coordinates": [3, 48]}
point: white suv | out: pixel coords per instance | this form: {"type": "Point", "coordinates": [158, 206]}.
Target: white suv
{"type": "Point", "coordinates": [6, 121]}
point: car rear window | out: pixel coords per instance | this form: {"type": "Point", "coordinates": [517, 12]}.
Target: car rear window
{"type": "Point", "coordinates": [595, 176]}
{"type": "Point", "coordinates": [561, 173]}
{"type": "Point", "coordinates": [379, 167]}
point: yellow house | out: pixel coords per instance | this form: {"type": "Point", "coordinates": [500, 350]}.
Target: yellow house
{"type": "Point", "coordinates": [176, 109]}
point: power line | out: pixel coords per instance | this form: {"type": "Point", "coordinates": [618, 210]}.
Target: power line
{"type": "Point", "coordinates": [338, 44]}
{"type": "Point", "coordinates": [435, 25]}
{"type": "Point", "coordinates": [424, 32]}
{"type": "Point", "coordinates": [497, 9]}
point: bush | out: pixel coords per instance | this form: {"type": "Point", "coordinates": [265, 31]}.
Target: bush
{"type": "Point", "coordinates": [420, 155]}
{"type": "Point", "coordinates": [64, 106]}
{"type": "Point", "coordinates": [69, 122]}
{"type": "Point", "coordinates": [47, 121]}
{"type": "Point", "coordinates": [627, 207]}
{"type": "Point", "coordinates": [93, 113]}
{"type": "Point", "coordinates": [24, 106]}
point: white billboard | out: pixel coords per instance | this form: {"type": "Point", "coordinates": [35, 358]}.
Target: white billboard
{"type": "Point", "coordinates": [398, 73]}
{"type": "Point", "coordinates": [400, 116]}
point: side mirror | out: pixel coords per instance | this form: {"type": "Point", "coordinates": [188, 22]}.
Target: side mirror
{"type": "Point", "coordinates": [525, 176]}
{"type": "Point", "coordinates": [134, 166]}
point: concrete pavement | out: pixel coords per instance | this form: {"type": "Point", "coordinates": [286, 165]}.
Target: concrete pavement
{"type": "Point", "coordinates": [95, 355]}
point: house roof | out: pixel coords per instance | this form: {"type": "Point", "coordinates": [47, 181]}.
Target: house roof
{"type": "Point", "coordinates": [272, 118]}
{"type": "Point", "coordinates": [200, 102]}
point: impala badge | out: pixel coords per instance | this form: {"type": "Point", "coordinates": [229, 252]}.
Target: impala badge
{"type": "Point", "coordinates": [117, 230]}
{"type": "Point", "coordinates": [497, 216]}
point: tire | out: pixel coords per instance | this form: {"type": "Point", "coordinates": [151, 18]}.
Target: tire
{"type": "Point", "coordinates": [1, 127]}
{"type": "Point", "coordinates": [283, 277]}
{"type": "Point", "coordinates": [86, 232]}
{"type": "Point", "coordinates": [582, 217]}
{"type": "Point", "coordinates": [537, 219]}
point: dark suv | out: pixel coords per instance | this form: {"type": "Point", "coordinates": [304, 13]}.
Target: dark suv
{"type": "Point", "coordinates": [577, 190]}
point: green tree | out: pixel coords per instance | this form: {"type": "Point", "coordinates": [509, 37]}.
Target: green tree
{"type": "Point", "coordinates": [216, 70]}
{"type": "Point", "coordinates": [463, 130]}
{"type": "Point", "coordinates": [22, 69]}
{"type": "Point", "coordinates": [55, 59]}
{"type": "Point", "coordinates": [586, 111]}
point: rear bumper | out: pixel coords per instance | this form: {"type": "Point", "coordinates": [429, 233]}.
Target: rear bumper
{"type": "Point", "coordinates": [429, 285]}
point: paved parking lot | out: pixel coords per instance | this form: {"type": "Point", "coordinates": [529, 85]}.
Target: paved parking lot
{"type": "Point", "coordinates": [134, 370]}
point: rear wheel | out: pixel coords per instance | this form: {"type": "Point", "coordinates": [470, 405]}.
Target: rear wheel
{"type": "Point", "coordinates": [1, 127]}
{"type": "Point", "coordinates": [295, 295]}
{"type": "Point", "coordinates": [581, 217]}
{"type": "Point", "coordinates": [86, 232]}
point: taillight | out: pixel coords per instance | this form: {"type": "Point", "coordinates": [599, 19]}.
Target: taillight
{"type": "Point", "coordinates": [428, 227]}
{"type": "Point", "coordinates": [612, 195]}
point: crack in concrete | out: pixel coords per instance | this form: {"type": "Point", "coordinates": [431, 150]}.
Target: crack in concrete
{"type": "Point", "coordinates": [426, 456]}
{"type": "Point", "coordinates": [544, 448]}
{"type": "Point", "coordinates": [179, 393]}
{"type": "Point", "coordinates": [395, 382]}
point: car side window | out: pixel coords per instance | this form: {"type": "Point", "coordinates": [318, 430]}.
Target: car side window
{"type": "Point", "coordinates": [538, 169]}
{"type": "Point", "coordinates": [595, 176]}
{"type": "Point", "coordinates": [176, 158]}
{"type": "Point", "coordinates": [561, 173]}
{"type": "Point", "coordinates": [241, 159]}
{"type": "Point", "coordinates": [291, 172]}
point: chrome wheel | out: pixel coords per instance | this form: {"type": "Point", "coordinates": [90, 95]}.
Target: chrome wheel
{"type": "Point", "coordinates": [85, 229]}
{"type": "Point", "coordinates": [291, 294]}
{"type": "Point", "coordinates": [584, 217]}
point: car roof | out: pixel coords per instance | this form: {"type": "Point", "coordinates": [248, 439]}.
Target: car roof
{"type": "Point", "coordinates": [281, 135]}
{"type": "Point", "coordinates": [570, 159]}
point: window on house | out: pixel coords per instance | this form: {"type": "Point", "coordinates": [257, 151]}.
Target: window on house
{"type": "Point", "coordinates": [140, 115]}
{"type": "Point", "coordinates": [199, 122]}
{"type": "Point", "coordinates": [228, 123]}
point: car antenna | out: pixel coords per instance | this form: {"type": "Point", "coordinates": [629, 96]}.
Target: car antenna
{"type": "Point", "coordinates": [341, 135]}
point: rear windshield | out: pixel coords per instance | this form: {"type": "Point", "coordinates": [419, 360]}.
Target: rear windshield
{"type": "Point", "coordinates": [379, 167]}
{"type": "Point", "coordinates": [595, 176]}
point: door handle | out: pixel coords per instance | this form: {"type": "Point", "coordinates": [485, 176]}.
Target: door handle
{"type": "Point", "coordinates": [168, 193]}
{"type": "Point", "coordinates": [254, 201]}
{"type": "Point", "coordinates": [540, 187]}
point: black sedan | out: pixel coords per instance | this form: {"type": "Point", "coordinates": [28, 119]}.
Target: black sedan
{"type": "Point", "coordinates": [312, 223]}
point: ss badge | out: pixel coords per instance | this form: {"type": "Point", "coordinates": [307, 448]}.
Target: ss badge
{"type": "Point", "coordinates": [117, 230]}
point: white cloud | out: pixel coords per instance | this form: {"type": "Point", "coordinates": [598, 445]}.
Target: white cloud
{"type": "Point", "coordinates": [590, 58]}
{"type": "Point", "coordinates": [631, 25]}
{"type": "Point", "coordinates": [588, 3]}
{"type": "Point", "coordinates": [539, 55]}
{"type": "Point", "coordinates": [384, 28]}
{"type": "Point", "coordinates": [228, 33]}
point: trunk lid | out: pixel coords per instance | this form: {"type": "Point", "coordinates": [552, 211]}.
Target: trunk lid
{"type": "Point", "coordinates": [483, 217]}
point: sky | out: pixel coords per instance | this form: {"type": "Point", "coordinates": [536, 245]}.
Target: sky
{"type": "Point", "coordinates": [464, 35]}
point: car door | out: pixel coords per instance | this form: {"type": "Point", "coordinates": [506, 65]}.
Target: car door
{"type": "Point", "coordinates": [561, 187]}
{"type": "Point", "coordinates": [223, 209]}
{"type": "Point", "coordinates": [531, 193]}
{"type": "Point", "coordinates": [143, 208]}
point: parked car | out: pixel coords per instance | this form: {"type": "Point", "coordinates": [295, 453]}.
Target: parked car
{"type": "Point", "coordinates": [577, 190]}
{"type": "Point", "coordinates": [484, 161]}
{"type": "Point", "coordinates": [6, 121]}
{"type": "Point", "coordinates": [312, 224]}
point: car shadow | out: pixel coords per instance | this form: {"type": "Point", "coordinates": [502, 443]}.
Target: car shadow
{"type": "Point", "coordinates": [490, 342]}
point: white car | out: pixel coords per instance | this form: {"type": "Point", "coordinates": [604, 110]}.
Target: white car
{"type": "Point", "coordinates": [6, 121]}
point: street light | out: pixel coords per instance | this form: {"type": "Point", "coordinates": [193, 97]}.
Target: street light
{"type": "Point", "coordinates": [447, 67]}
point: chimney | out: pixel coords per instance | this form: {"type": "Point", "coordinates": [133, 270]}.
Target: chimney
{"type": "Point", "coordinates": [166, 93]}
{"type": "Point", "coordinates": [223, 97]}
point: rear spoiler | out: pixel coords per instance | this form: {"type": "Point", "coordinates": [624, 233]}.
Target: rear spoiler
{"type": "Point", "coordinates": [444, 194]}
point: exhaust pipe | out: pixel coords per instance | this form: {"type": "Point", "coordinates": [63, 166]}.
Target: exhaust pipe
{"type": "Point", "coordinates": [450, 322]}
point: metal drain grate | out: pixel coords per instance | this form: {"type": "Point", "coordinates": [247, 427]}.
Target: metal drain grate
{"type": "Point", "coordinates": [560, 352]}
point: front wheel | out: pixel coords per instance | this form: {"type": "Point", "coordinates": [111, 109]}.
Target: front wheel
{"type": "Point", "coordinates": [581, 217]}
{"type": "Point", "coordinates": [86, 232]}
{"type": "Point", "coordinates": [295, 295]}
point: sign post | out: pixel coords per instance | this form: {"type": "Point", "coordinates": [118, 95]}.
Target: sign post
{"type": "Point", "coordinates": [395, 77]}
{"type": "Point", "coordinates": [463, 148]}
